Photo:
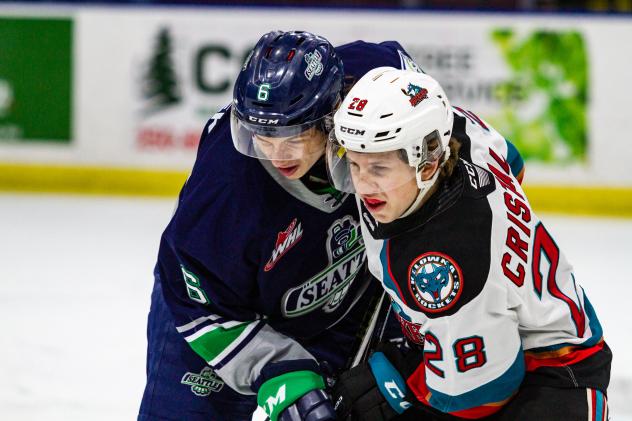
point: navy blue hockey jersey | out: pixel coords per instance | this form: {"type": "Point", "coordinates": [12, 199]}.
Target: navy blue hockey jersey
{"type": "Point", "coordinates": [257, 269]}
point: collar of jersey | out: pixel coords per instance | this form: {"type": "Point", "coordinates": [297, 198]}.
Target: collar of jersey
{"type": "Point", "coordinates": [327, 202]}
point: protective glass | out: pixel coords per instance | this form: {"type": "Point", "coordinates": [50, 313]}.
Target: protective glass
{"type": "Point", "coordinates": [367, 173]}
{"type": "Point", "coordinates": [280, 143]}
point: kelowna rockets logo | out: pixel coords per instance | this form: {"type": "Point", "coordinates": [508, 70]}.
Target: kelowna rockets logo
{"type": "Point", "coordinates": [435, 281]}
{"type": "Point", "coordinates": [286, 239]}
{"type": "Point", "coordinates": [416, 94]}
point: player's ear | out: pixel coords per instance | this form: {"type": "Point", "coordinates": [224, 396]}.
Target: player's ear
{"type": "Point", "coordinates": [429, 170]}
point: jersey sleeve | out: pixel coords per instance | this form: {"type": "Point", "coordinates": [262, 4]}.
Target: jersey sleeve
{"type": "Point", "coordinates": [516, 163]}
{"type": "Point", "coordinates": [208, 265]}
{"type": "Point", "coordinates": [482, 137]}
{"type": "Point", "coordinates": [561, 334]}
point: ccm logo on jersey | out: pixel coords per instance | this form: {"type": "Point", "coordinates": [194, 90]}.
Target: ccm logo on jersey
{"type": "Point", "coordinates": [263, 120]}
{"type": "Point", "coordinates": [471, 173]}
{"type": "Point", "coordinates": [351, 130]}
{"type": "Point", "coordinates": [286, 239]}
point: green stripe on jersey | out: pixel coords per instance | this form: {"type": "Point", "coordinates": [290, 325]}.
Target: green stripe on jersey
{"type": "Point", "coordinates": [213, 343]}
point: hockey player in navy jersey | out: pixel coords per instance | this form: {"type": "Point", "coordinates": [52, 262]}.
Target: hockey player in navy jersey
{"type": "Point", "coordinates": [261, 284]}
{"type": "Point", "coordinates": [498, 325]}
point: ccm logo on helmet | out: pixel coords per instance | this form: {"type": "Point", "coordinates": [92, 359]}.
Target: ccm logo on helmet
{"type": "Point", "coordinates": [351, 130]}
{"type": "Point", "coordinates": [263, 120]}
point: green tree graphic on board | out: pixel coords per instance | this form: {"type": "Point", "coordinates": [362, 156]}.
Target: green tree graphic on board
{"type": "Point", "coordinates": [160, 84]}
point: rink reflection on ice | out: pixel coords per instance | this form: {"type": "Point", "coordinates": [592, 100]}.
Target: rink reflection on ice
{"type": "Point", "coordinates": [75, 279]}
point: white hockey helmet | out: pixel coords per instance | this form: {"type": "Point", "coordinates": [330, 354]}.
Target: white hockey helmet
{"type": "Point", "coordinates": [389, 110]}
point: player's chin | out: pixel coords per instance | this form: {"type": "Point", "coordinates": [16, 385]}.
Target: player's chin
{"type": "Point", "coordinates": [383, 217]}
{"type": "Point", "coordinates": [382, 213]}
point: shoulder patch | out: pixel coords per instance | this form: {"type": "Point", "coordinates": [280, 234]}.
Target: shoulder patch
{"type": "Point", "coordinates": [435, 281]}
{"type": "Point", "coordinates": [203, 383]}
{"type": "Point", "coordinates": [286, 239]}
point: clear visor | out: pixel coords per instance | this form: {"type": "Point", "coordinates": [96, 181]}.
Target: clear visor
{"type": "Point", "coordinates": [280, 143]}
{"type": "Point", "coordinates": [368, 174]}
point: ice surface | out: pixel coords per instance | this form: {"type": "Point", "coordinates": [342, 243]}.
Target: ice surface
{"type": "Point", "coordinates": [75, 280]}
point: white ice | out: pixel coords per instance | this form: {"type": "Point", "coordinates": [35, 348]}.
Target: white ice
{"type": "Point", "coordinates": [75, 281]}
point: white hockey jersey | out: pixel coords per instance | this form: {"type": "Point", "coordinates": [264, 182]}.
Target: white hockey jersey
{"type": "Point", "coordinates": [477, 278]}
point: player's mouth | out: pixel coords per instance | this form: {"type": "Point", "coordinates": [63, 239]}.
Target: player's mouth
{"type": "Point", "coordinates": [288, 171]}
{"type": "Point", "coordinates": [373, 205]}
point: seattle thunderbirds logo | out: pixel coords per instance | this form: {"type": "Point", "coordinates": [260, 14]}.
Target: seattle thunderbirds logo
{"type": "Point", "coordinates": [435, 281]}
{"type": "Point", "coordinates": [416, 94]}
{"type": "Point", "coordinates": [204, 383]}
{"type": "Point", "coordinates": [314, 62]}
{"type": "Point", "coordinates": [327, 289]}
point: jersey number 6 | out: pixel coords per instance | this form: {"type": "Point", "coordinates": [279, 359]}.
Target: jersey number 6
{"type": "Point", "coordinates": [194, 290]}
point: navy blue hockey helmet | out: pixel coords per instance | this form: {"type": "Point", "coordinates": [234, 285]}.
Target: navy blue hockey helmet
{"type": "Point", "coordinates": [290, 83]}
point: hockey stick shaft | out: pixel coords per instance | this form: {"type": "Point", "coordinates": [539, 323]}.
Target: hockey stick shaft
{"type": "Point", "coordinates": [377, 323]}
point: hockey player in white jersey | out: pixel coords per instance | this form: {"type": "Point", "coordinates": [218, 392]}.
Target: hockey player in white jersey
{"type": "Point", "coordinates": [499, 327]}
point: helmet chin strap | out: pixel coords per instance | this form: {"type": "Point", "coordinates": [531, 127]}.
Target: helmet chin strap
{"type": "Point", "coordinates": [425, 186]}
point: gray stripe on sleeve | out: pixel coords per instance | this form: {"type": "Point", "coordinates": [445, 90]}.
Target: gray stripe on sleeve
{"type": "Point", "coordinates": [266, 347]}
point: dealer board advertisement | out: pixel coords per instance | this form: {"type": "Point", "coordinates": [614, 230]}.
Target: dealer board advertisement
{"type": "Point", "coordinates": [146, 80]}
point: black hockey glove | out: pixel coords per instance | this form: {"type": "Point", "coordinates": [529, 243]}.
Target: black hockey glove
{"type": "Point", "coordinates": [313, 406]}
{"type": "Point", "coordinates": [373, 391]}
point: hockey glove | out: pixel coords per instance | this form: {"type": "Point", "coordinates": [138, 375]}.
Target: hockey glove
{"type": "Point", "coordinates": [313, 406]}
{"type": "Point", "coordinates": [371, 392]}
{"type": "Point", "coordinates": [278, 394]}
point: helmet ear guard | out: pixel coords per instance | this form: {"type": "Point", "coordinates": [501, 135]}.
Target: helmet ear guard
{"type": "Point", "coordinates": [431, 149]}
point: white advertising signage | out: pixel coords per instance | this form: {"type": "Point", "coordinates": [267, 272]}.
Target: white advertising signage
{"type": "Point", "coordinates": [148, 79]}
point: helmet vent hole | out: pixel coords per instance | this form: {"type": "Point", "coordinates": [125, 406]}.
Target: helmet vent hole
{"type": "Point", "coordinates": [386, 138]}
{"type": "Point", "coordinates": [382, 134]}
{"type": "Point", "coordinates": [268, 51]}
{"type": "Point", "coordinates": [354, 114]}
{"type": "Point", "coordinates": [297, 99]}
{"type": "Point", "coordinates": [398, 130]}
{"type": "Point", "coordinates": [362, 145]}
{"type": "Point", "coordinates": [300, 41]}
{"type": "Point", "coordinates": [377, 76]}
{"type": "Point", "coordinates": [447, 133]}
{"type": "Point", "coordinates": [261, 104]}
{"type": "Point", "coordinates": [277, 38]}
{"type": "Point", "coordinates": [290, 55]}
{"type": "Point", "coordinates": [386, 115]}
